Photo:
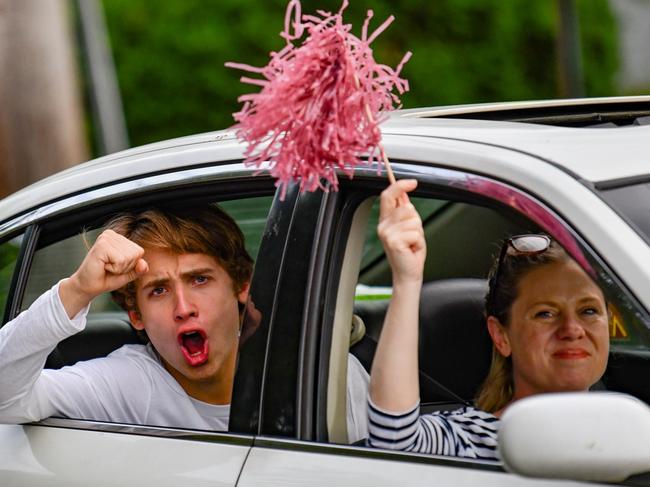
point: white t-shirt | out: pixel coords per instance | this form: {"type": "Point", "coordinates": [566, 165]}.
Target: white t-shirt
{"type": "Point", "coordinates": [128, 386]}
{"type": "Point", "coordinates": [357, 396]}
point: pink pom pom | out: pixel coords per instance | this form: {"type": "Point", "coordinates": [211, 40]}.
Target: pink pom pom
{"type": "Point", "coordinates": [320, 104]}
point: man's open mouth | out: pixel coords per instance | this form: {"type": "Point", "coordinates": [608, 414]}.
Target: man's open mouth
{"type": "Point", "coordinates": [194, 347]}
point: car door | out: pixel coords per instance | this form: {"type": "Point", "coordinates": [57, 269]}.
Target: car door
{"type": "Point", "coordinates": [303, 435]}
{"type": "Point", "coordinates": [65, 452]}
{"type": "Point", "coordinates": [45, 246]}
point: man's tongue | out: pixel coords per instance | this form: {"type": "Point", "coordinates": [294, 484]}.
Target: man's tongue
{"type": "Point", "coordinates": [195, 348]}
{"type": "Point", "coordinates": [193, 343]}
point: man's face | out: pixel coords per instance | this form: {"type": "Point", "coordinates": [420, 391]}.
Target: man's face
{"type": "Point", "coordinates": [188, 305]}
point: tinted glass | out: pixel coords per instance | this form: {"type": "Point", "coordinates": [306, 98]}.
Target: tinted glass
{"type": "Point", "coordinates": [8, 255]}
{"type": "Point", "coordinates": [462, 240]}
{"type": "Point", "coordinates": [632, 202]}
{"type": "Point", "coordinates": [373, 250]}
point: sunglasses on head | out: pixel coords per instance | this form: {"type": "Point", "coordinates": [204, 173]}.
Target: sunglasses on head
{"type": "Point", "coordinates": [529, 244]}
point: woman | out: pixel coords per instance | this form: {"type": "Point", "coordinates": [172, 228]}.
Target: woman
{"type": "Point", "coordinates": [548, 321]}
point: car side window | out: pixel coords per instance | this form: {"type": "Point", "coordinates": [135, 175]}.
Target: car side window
{"type": "Point", "coordinates": [107, 325]}
{"type": "Point", "coordinates": [457, 265]}
{"type": "Point", "coordinates": [56, 261]}
{"type": "Point", "coordinates": [8, 257]}
{"type": "Point", "coordinates": [453, 249]}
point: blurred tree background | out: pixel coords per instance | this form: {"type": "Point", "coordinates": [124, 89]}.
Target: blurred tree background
{"type": "Point", "coordinates": [169, 63]}
{"type": "Point", "coordinates": [170, 55]}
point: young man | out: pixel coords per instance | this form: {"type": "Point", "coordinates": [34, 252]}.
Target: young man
{"type": "Point", "coordinates": [183, 278]}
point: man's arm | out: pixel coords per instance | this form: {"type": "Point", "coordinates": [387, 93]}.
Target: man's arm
{"type": "Point", "coordinates": [26, 341]}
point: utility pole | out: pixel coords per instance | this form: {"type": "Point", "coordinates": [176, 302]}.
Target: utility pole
{"type": "Point", "coordinates": [41, 110]}
{"type": "Point", "coordinates": [104, 91]}
{"type": "Point", "coordinates": [569, 51]}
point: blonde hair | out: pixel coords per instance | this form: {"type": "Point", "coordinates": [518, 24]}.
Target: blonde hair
{"type": "Point", "coordinates": [498, 387]}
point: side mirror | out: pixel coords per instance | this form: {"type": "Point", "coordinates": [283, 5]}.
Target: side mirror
{"type": "Point", "coordinates": [594, 436]}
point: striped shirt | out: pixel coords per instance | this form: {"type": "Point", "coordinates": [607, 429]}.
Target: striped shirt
{"type": "Point", "coordinates": [464, 432]}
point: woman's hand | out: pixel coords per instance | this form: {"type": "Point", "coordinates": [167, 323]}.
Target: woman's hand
{"type": "Point", "coordinates": [400, 231]}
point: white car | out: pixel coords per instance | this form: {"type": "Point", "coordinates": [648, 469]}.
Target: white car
{"type": "Point", "coordinates": [577, 169]}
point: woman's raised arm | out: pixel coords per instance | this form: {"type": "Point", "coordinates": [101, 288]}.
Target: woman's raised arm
{"type": "Point", "coordinates": [394, 378]}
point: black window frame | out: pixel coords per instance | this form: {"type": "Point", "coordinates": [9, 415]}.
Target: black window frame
{"type": "Point", "coordinates": [65, 221]}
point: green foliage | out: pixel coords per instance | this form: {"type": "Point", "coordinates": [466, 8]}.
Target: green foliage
{"type": "Point", "coordinates": [170, 55]}
{"type": "Point", "coordinates": [599, 47]}
{"type": "Point", "coordinates": [8, 255]}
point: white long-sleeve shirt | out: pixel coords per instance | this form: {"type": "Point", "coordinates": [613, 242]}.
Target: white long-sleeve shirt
{"type": "Point", "coordinates": [128, 386]}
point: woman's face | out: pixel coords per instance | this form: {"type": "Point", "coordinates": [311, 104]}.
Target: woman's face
{"type": "Point", "coordinates": [558, 334]}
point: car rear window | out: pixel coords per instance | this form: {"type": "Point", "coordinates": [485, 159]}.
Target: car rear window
{"type": "Point", "coordinates": [633, 203]}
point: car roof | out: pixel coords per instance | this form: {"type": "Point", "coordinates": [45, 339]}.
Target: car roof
{"type": "Point", "coordinates": [584, 136]}
{"type": "Point", "coordinates": [592, 154]}
{"type": "Point", "coordinates": [546, 129]}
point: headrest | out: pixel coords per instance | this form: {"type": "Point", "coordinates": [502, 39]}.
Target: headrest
{"type": "Point", "coordinates": [455, 346]}
{"type": "Point", "coordinates": [372, 313]}
{"type": "Point", "coordinates": [357, 330]}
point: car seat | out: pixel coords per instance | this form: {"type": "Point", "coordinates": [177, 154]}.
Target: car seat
{"type": "Point", "coordinates": [455, 348]}
{"type": "Point", "coordinates": [104, 333]}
